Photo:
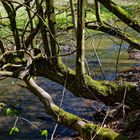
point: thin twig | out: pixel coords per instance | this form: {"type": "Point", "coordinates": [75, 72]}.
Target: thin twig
{"type": "Point", "coordinates": [60, 105]}
{"type": "Point", "coordinates": [117, 62]}
{"type": "Point", "coordinates": [96, 54]}
{"type": "Point", "coordinates": [103, 122]}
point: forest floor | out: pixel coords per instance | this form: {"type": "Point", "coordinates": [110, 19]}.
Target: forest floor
{"type": "Point", "coordinates": [121, 118]}
{"type": "Point", "coordinates": [131, 123]}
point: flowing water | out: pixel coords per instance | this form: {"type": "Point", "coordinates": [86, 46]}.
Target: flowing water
{"type": "Point", "coordinates": [30, 107]}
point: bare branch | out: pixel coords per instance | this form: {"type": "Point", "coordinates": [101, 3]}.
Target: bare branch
{"type": "Point", "coordinates": [85, 128]}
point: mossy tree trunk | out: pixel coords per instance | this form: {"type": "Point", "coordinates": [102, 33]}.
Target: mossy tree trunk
{"type": "Point", "coordinates": [113, 31]}
{"type": "Point", "coordinates": [80, 54]}
{"type": "Point", "coordinates": [121, 14]}
{"type": "Point", "coordinates": [104, 91]}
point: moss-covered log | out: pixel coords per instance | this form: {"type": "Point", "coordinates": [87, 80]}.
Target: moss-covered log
{"type": "Point", "coordinates": [121, 14]}
{"type": "Point", "coordinates": [86, 129]}
{"type": "Point", "coordinates": [110, 30]}
{"type": "Point", "coordinates": [105, 91]}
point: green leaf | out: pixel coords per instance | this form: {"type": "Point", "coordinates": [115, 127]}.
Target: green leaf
{"type": "Point", "coordinates": [13, 130]}
{"type": "Point", "coordinates": [2, 105]}
{"type": "Point", "coordinates": [44, 133]}
{"type": "Point", "coordinates": [8, 111]}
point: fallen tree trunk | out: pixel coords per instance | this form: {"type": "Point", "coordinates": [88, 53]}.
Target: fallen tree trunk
{"type": "Point", "coordinates": [86, 129]}
{"type": "Point", "coordinates": [121, 14]}
{"type": "Point", "coordinates": [104, 91]}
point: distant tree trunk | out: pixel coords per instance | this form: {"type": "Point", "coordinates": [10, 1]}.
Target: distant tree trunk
{"type": "Point", "coordinates": [52, 31]}
{"type": "Point", "coordinates": [97, 10]}
{"type": "Point", "coordinates": [32, 24]}
{"type": "Point", "coordinates": [43, 29]}
{"type": "Point", "coordinates": [12, 17]}
{"type": "Point", "coordinates": [73, 14]}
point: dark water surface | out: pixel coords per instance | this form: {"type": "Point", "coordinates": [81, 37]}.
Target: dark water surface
{"type": "Point", "coordinates": [31, 108]}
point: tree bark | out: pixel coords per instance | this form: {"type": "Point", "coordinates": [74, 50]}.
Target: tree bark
{"type": "Point", "coordinates": [32, 23]}
{"type": "Point", "coordinates": [80, 54]}
{"type": "Point", "coordinates": [97, 11]}
{"type": "Point", "coordinates": [73, 14]}
{"type": "Point", "coordinates": [43, 29]}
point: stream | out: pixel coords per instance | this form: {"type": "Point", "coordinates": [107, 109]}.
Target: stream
{"type": "Point", "coordinates": [31, 109]}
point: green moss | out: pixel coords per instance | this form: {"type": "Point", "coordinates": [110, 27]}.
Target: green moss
{"type": "Point", "coordinates": [118, 8]}
{"type": "Point", "coordinates": [89, 129]}
{"type": "Point", "coordinates": [66, 117]}
{"type": "Point", "coordinates": [63, 20]}
{"type": "Point", "coordinates": [16, 59]}
{"type": "Point", "coordinates": [101, 133]}
{"type": "Point", "coordinates": [99, 86]}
